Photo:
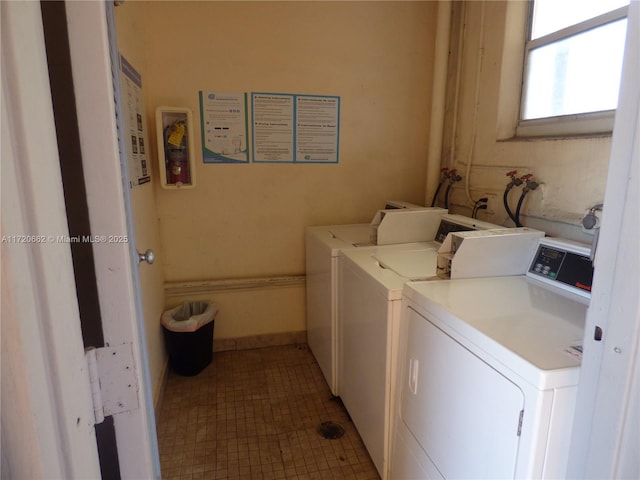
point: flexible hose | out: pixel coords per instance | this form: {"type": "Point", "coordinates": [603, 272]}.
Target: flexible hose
{"type": "Point", "coordinates": [517, 216]}
{"type": "Point", "coordinates": [435, 195]}
{"type": "Point", "coordinates": [446, 196]}
{"type": "Point", "coordinates": [505, 200]}
{"type": "Point", "coordinates": [481, 207]}
{"type": "Point", "coordinates": [477, 206]}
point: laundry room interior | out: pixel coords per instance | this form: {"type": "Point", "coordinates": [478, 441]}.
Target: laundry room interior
{"type": "Point", "coordinates": [423, 86]}
{"type": "Point", "coordinates": [247, 221]}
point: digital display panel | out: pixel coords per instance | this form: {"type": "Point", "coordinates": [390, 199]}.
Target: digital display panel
{"type": "Point", "coordinates": [577, 271]}
{"type": "Point", "coordinates": [446, 228]}
{"type": "Point", "coordinates": [566, 267]}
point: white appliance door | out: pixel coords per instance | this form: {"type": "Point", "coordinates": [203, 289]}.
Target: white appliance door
{"type": "Point", "coordinates": [321, 283]}
{"type": "Point", "coordinates": [363, 360]}
{"type": "Point", "coordinates": [463, 413]}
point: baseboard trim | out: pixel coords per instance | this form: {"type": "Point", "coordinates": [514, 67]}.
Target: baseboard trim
{"type": "Point", "coordinates": [173, 289]}
{"type": "Point", "coordinates": [259, 341]}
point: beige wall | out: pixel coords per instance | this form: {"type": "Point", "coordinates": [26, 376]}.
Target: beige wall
{"type": "Point", "coordinates": [247, 221]}
{"type": "Point", "coordinates": [573, 171]}
{"type": "Point", "coordinates": [131, 45]}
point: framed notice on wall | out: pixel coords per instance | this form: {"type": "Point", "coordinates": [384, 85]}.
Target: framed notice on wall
{"type": "Point", "coordinates": [317, 128]}
{"type": "Point", "coordinates": [273, 127]}
{"type": "Point", "coordinates": [224, 127]}
{"type": "Point", "coordinates": [134, 123]}
{"type": "Point", "coordinates": [291, 128]}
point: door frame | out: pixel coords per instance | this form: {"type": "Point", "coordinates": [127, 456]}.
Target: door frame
{"type": "Point", "coordinates": [47, 413]}
{"type": "Point", "coordinates": [110, 217]}
{"type": "Point", "coordinates": [605, 437]}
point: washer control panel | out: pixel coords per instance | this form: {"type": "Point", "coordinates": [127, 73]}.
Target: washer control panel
{"type": "Point", "coordinates": [563, 264]}
{"type": "Point", "coordinates": [446, 227]}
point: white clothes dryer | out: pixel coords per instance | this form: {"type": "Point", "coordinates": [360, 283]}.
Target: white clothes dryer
{"type": "Point", "coordinates": [489, 369]}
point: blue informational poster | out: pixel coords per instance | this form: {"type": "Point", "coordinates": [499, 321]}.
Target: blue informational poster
{"type": "Point", "coordinates": [289, 128]}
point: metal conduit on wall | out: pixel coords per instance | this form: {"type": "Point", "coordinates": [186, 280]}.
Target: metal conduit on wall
{"type": "Point", "coordinates": [438, 93]}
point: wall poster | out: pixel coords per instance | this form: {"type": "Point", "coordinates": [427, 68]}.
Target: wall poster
{"type": "Point", "coordinates": [317, 128]}
{"type": "Point", "coordinates": [291, 128]}
{"type": "Point", "coordinates": [272, 127]}
{"type": "Point", "coordinates": [135, 126]}
{"type": "Point", "coordinates": [223, 120]}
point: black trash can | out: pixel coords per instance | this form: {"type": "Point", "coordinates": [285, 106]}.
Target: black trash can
{"type": "Point", "coordinates": [188, 334]}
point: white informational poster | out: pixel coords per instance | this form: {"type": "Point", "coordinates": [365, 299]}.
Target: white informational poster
{"type": "Point", "coordinates": [291, 128]}
{"type": "Point", "coordinates": [135, 126]}
{"type": "Point", "coordinates": [223, 119]}
{"type": "Point", "coordinates": [272, 127]}
{"type": "Point", "coordinates": [317, 128]}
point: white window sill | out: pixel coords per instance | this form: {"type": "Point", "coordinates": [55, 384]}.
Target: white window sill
{"type": "Point", "coordinates": [595, 124]}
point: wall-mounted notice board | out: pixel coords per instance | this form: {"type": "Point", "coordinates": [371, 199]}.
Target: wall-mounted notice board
{"type": "Point", "coordinates": [224, 127]}
{"type": "Point", "coordinates": [290, 128]}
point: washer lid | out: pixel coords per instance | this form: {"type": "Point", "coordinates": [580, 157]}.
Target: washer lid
{"type": "Point", "coordinates": [338, 237]}
{"type": "Point", "coordinates": [412, 264]}
{"type": "Point", "coordinates": [386, 280]}
{"type": "Point", "coordinates": [519, 323]}
{"type": "Point", "coordinates": [352, 234]}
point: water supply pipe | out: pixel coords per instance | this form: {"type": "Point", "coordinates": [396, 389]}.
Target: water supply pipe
{"type": "Point", "coordinates": [476, 106]}
{"type": "Point", "coordinates": [438, 94]}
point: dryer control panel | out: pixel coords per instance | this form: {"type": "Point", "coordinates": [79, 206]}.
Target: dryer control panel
{"type": "Point", "coordinates": [459, 223]}
{"type": "Point", "coordinates": [567, 264]}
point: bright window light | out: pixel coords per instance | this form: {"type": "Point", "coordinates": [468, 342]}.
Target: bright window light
{"type": "Point", "coordinates": [552, 15]}
{"type": "Point", "coordinates": [574, 57]}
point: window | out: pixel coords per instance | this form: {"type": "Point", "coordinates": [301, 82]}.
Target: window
{"type": "Point", "coordinates": [573, 62]}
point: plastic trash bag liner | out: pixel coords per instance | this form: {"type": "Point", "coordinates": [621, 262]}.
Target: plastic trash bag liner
{"type": "Point", "coordinates": [189, 316]}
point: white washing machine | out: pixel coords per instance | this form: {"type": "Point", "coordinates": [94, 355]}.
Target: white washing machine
{"type": "Point", "coordinates": [323, 244]}
{"type": "Point", "coordinates": [370, 292]}
{"type": "Point", "coordinates": [489, 369]}
{"type": "Point", "coordinates": [322, 247]}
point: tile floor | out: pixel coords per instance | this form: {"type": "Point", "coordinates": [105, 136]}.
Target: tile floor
{"type": "Point", "coordinates": [254, 414]}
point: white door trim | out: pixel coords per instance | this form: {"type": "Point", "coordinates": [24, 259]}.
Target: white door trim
{"type": "Point", "coordinates": [605, 438]}
{"type": "Point", "coordinates": [115, 268]}
{"type": "Point", "coordinates": [47, 415]}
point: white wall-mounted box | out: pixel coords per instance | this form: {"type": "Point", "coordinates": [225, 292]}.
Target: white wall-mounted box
{"type": "Point", "coordinates": [175, 147]}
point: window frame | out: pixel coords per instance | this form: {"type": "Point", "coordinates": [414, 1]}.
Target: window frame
{"type": "Point", "coordinates": [590, 123]}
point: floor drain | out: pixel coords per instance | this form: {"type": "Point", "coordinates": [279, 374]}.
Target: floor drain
{"type": "Point", "coordinates": [330, 430]}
